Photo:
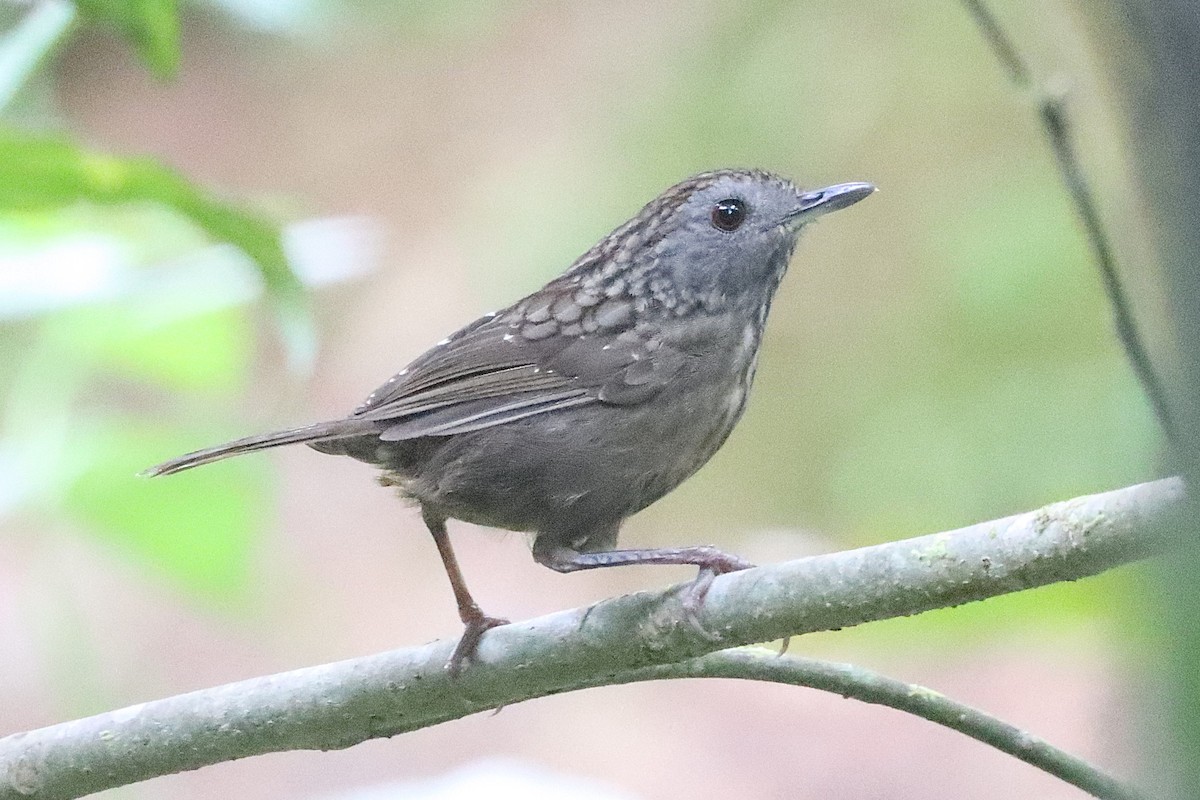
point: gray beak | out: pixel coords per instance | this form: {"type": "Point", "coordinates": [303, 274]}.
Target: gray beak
{"type": "Point", "coordinates": [831, 198]}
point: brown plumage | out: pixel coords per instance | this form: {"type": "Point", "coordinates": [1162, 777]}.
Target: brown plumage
{"type": "Point", "coordinates": [594, 396]}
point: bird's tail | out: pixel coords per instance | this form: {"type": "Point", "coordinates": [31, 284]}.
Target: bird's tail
{"type": "Point", "coordinates": [310, 433]}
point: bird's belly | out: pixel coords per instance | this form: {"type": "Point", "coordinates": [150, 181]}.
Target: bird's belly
{"type": "Point", "coordinates": [574, 469]}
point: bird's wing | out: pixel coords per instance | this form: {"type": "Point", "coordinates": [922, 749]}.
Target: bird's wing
{"type": "Point", "coordinates": [545, 354]}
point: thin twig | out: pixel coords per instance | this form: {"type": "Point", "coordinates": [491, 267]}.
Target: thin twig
{"type": "Point", "coordinates": [849, 680]}
{"type": "Point", "coordinates": [1055, 123]}
{"type": "Point", "coordinates": [339, 705]}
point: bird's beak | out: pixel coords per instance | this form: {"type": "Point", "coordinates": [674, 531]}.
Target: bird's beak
{"type": "Point", "coordinates": [831, 198]}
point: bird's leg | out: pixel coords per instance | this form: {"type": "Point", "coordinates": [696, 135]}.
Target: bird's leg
{"type": "Point", "coordinates": [710, 561]}
{"type": "Point", "coordinates": [472, 616]}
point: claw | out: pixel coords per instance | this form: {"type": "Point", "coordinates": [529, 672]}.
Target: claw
{"type": "Point", "coordinates": [695, 592]}
{"type": "Point", "coordinates": [464, 651]}
{"type": "Point", "coordinates": [693, 599]}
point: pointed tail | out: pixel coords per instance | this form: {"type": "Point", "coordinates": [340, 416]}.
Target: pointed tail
{"type": "Point", "coordinates": [309, 433]}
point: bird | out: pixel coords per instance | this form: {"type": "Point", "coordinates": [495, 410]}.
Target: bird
{"type": "Point", "coordinates": [591, 398]}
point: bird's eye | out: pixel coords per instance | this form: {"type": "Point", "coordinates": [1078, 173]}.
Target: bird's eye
{"type": "Point", "coordinates": [728, 215]}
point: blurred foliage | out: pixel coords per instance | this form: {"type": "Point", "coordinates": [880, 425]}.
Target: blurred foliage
{"type": "Point", "coordinates": [28, 41]}
{"type": "Point", "coordinates": [68, 445]}
{"type": "Point", "coordinates": [151, 26]}
{"type": "Point", "coordinates": [38, 173]}
{"type": "Point", "coordinates": [93, 313]}
{"type": "Point", "coordinates": [199, 531]}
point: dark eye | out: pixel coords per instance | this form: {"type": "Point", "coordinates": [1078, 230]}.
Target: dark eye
{"type": "Point", "coordinates": [729, 214]}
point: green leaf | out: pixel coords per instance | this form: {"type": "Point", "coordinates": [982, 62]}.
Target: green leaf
{"type": "Point", "coordinates": [151, 26]}
{"type": "Point", "coordinates": [43, 172]}
{"type": "Point", "coordinates": [198, 528]}
{"type": "Point", "coordinates": [198, 352]}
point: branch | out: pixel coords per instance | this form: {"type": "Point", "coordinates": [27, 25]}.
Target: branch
{"type": "Point", "coordinates": [1052, 114]}
{"type": "Point", "coordinates": [338, 705]}
{"type": "Point", "coordinates": [862, 684]}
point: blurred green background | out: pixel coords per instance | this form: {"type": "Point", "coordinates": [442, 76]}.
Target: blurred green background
{"type": "Point", "coordinates": [238, 215]}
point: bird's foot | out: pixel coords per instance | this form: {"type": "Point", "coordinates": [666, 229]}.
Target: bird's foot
{"type": "Point", "coordinates": [718, 563]}
{"type": "Point", "coordinates": [476, 624]}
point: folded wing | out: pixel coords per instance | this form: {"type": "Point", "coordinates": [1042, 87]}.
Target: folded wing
{"type": "Point", "coordinates": [495, 372]}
